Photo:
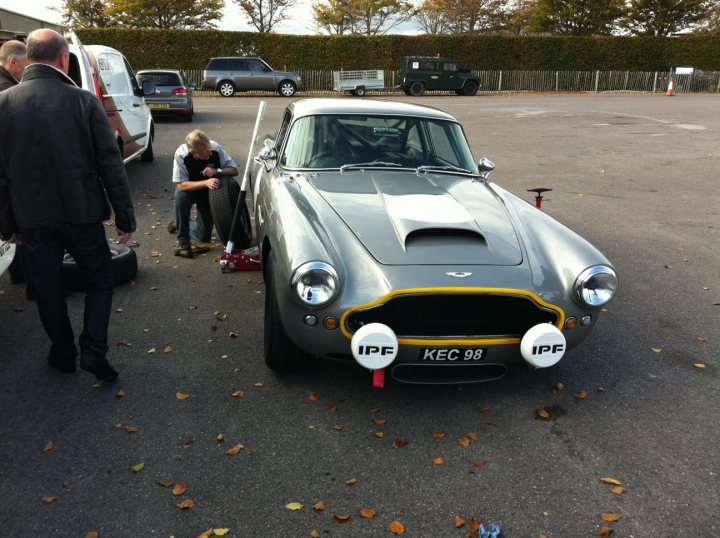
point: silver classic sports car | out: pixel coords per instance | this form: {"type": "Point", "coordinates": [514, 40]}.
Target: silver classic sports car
{"type": "Point", "coordinates": [384, 242]}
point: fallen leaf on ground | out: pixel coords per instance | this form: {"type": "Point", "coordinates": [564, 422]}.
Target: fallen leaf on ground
{"type": "Point", "coordinates": [459, 522]}
{"type": "Point", "coordinates": [123, 342]}
{"type": "Point", "coordinates": [47, 499]}
{"type": "Point", "coordinates": [699, 365]}
{"type": "Point", "coordinates": [581, 395]}
{"type": "Point", "coordinates": [656, 349]}
{"type": "Point", "coordinates": [368, 513]}
{"type": "Point", "coordinates": [294, 506]}
{"type": "Point", "coordinates": [67, 483]}
{"type": "Point", "coordinates": [333, 408]}
{"type": "Point", "coordinates": [165, 483]}
{"type": "Point", "coordinates": [220, 532]}
{"type": "Point", "coordinates": [186, 504]}
{"type": "Point", "coordinates": [179, 489]}
{"type": "Point", "coordinates": [438, 435]}
{"type": "Point", "coordinates": [120, 394]}
{"type": "Point", "coordinates": [379, 435]}
{"type": "Point", "coordinates": [48, 446]}
{"type": "Point", "coordinates": [438, 461]}
{"type": "Point", "coordinates": [233, 334]}
{"type": "Point", "coordinates": [319, 506]}
{"type": "Point", "coordinates": [259, 385]}
{"type": "Point", "coordinates": [478, 462]}
{"type": "Point", "coordinates": [605, 531]}
{"type": "Point", "coordinates": [315, 534]}
{"type": "Point", "coordinates": [137, 468]}
{"type": "Point", "coordinates": [238, 394]}
{"type": "Point", "coordinates": [313, 397]}
{"type": "Point", "coordinates": [618, 490]}
{"type": "Point", "coordinates": [464, 441]}
{"type": "Point", "coordinates": [235, 450]}
{"type": "Point", "coordinates": [220, 437]}
{"type": "Point", "coordinates": [472, 436]}
{"type": "Point", "coordinates": [129, 428]}
{"type": "Point", "coordinates": [399, 442]}
{"type": "Point", "coordinates": [351, 482]}
{"type": "Point", "coordinates": [396, 527]}
{"type": "Point", "coordinates": [375, 410]}
{"type": "Point", "coordinates": [700, 339]}
{"type": "Point", "coordinates": [182, 395]}
{"type": "Point", "coordinates": [168, 349]}
{"type": "Point", "coordinates": [379, 421]}
{"type": "Point", "coordinates": [560, 386]}
{"type": "Point", "coordinates": [484, 408]}
{"type": "Point", "coordinates": [341, 518]}
{"type": "Point", "coordinates": [92, 534]}
{"type": "Point", "coordinates": [151, 350]}
{"type": "Point", "coordinates": [610, 516]}
{"type": "Point", "coordinates": [542, 413]}
{"type": "Point", "coordinates": [338, 427]}
{"type": "Point", "coordinates": [609, 480]}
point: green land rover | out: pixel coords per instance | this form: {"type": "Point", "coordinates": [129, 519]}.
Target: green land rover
{"type": "Point", "coordinates": [429, 73]}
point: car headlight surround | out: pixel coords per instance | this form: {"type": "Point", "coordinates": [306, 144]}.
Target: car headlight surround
{"type": "Point", "coordinates": [596, 285]}
{"type": "Point", "coordinates": [315, 283]}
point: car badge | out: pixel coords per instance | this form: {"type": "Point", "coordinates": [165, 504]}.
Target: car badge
{"type": "Point", "coordinates": [458, 274]}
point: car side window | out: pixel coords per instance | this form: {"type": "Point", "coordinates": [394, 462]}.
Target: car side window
{"type": "Point", "coordinates": [112, 72]}
{"type": "Point", "coordinates": [238, 64]}
{"type": "Point", "coordinates": [282, 132]}
{"type": "Point", "coordinates": [133, 81]}
{"type": "Point", "coordinates": [255, 65]}
{"type": "Point", "coordinates": [219, 64]}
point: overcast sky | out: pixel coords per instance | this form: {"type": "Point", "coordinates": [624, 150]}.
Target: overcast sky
{"type": "Point", "coordinates": [301, 22]}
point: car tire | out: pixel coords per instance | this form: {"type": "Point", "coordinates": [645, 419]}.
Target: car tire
{"type": "Point", "coordinates": [124, 268]}
{"type": "Point", "coordinates": [406, 91]}
{"type": "Point", "coordinates": [360, 91]}
{"type": "Point", "coordinates": [223, 201]}
{"type": "Point", "coordinates": [470, 88]}
{"type": "Point", "coordinates": [286, 88]}
{"type": "Point", "coordinates": [417, 89]}
{"type": "Point", "coordinates": [226, 88]}
{"type": "Point", "coordinates": [148, 156]}
{"type": "Point", "coordinates": [281, 353]}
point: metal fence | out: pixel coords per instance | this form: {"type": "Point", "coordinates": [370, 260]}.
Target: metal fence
{"type": "Point", "coordinates": [321, 81]}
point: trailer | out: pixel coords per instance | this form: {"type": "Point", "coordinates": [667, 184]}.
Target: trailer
{"type": "Point", "coordinates": [358, 82]}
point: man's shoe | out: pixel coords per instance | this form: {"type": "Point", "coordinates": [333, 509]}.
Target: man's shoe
{"type": "Point", "coordinates": [99, 367]}
{"type": "Point", "coordinates": [184, 249]}
{"type": "Point", "coordinates": [172, 227]}
{"type": "Point", "coordinates": [65, 366]}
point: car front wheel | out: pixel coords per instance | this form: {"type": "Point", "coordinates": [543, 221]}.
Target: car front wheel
{"type": "Point", "coordinates": [417, 89]}
{"type": "Point", "coordinates": [281, 353]}
{"type": "Point", "coordinates": [226, 89]}
{"type": "Point", "coordinates": [286, 88]}
{"type": "Point", "coordinates": [470, 88]}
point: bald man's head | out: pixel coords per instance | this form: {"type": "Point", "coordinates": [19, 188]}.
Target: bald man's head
{"type": "Point", "coordinates": [46, 46]}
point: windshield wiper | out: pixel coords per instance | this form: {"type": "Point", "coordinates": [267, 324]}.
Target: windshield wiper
{"type": "Point", "coordinates": [448, 168]}
{"type": "Point", "coordinates": [378, 164]}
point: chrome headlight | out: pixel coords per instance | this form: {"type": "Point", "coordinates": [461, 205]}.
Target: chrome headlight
{"type": "Point", "coordinates": [596, 285]}
{"type": "Point", "coordinates": [315, 283]}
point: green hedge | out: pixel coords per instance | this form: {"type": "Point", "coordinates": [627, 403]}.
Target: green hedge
{"type": "Point", "coordinates": [191, 49]}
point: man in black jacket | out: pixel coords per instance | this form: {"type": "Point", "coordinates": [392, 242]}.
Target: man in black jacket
{"type": "Point", "coordinates": [59, 166]}
{"type": "Point", "coordinates": [13, 59]}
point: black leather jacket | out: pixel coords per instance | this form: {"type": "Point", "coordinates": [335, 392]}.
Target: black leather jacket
{"type": "Point", "coordinates": [59, 162]}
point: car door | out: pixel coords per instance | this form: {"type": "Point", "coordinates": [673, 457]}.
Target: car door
{"type": "Point", "coordinates": [260, 75]}
{"type": "Point", "coordinates": [240, 74]}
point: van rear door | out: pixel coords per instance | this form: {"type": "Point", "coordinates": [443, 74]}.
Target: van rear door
{"type": "Point", "coordinates": [81, 70]}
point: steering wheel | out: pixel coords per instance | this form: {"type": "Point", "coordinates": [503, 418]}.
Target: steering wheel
{"type": "Point", "coordinates": [328, 159]}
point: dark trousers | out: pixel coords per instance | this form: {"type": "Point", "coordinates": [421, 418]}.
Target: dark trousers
{"type": "Point", "coordinates": [204, 222]}
{"type": "Point", "coordinates": [43, 261]}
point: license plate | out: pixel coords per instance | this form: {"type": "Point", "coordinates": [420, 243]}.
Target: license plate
{"type": "Point", "coordinates": [453, 354]}
{"type": "Point", "coordinates": [158, 105]}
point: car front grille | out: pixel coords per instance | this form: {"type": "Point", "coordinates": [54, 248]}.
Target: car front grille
{"type": "Point", "coordinates": [452, 315]}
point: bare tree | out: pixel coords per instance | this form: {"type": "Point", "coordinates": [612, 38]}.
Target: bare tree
{"type": "Point", "coordinates": [264, 15]}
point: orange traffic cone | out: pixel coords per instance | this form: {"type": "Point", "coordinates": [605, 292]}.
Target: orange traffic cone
{"type": "Point", "coordinates": [670, 88]}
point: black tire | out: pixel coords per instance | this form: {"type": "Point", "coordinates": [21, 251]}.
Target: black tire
{"type": "Point", "coordinates": [147, 155]}
{"type": "Point", "coordinates": [222, 206]}
{"type": "Point", "coordinates": [417, 89]}
{"type": "Point", "coordinates": [226, 88]}
{"type": "Point", "coordinates": [286, 88]}
{"type": "Point", "coordinates": [281, 353]}
{"type": "Point", "coordinates": [360, 91]}
{"type": "Point", "coordinates": [124, 268]}
{"type": "Point", "coordinates": [406, 91]}
{"type": "Point", "coordinates": [470, 88]}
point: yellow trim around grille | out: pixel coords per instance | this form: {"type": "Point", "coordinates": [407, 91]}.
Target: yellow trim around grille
{"type": "Point", "coordinates": [465, 291]}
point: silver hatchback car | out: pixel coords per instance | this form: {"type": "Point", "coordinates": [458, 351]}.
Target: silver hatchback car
{"type": "Point", "coordinates": [228, 75]}
{"type": "Point", "coordinates": [173, 93]}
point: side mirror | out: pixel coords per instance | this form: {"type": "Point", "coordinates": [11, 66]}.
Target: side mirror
{"type": "Point", "coordinates": [485, 166]}
{"type": "Point", "coordinates": [267, 155]}
{"type": "Point", "coordinates": [148, 87]}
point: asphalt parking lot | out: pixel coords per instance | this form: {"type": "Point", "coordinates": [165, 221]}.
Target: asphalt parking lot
{"type": "Point", "coordinates": [637, 402]}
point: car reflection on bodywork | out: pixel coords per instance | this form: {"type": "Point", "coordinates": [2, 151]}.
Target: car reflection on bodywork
{"type": "Point", "coordinates": [173, 95]}
{"type": "Point", "coordinates": [384, 242]}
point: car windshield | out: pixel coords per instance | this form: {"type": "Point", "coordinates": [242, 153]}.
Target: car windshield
{"type": "Point", "coordinates": [161, 79]}
{"type": "Point", "coordinates": [392, 142]}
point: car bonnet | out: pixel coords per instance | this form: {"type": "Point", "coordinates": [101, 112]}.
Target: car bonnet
{"type": "Point", "coordinates": [405, 218]}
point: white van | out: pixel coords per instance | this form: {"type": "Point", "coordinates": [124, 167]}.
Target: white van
{"type": "Point", "coordinates": [7, 251]}
{"type": "Point", "coordinates": [106, 73]}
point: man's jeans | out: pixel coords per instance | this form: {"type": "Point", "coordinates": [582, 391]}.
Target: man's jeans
{"type": "Point", "coordinates": [43, 260]}
{"type": "Point", "coordinates": [204, 222]}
